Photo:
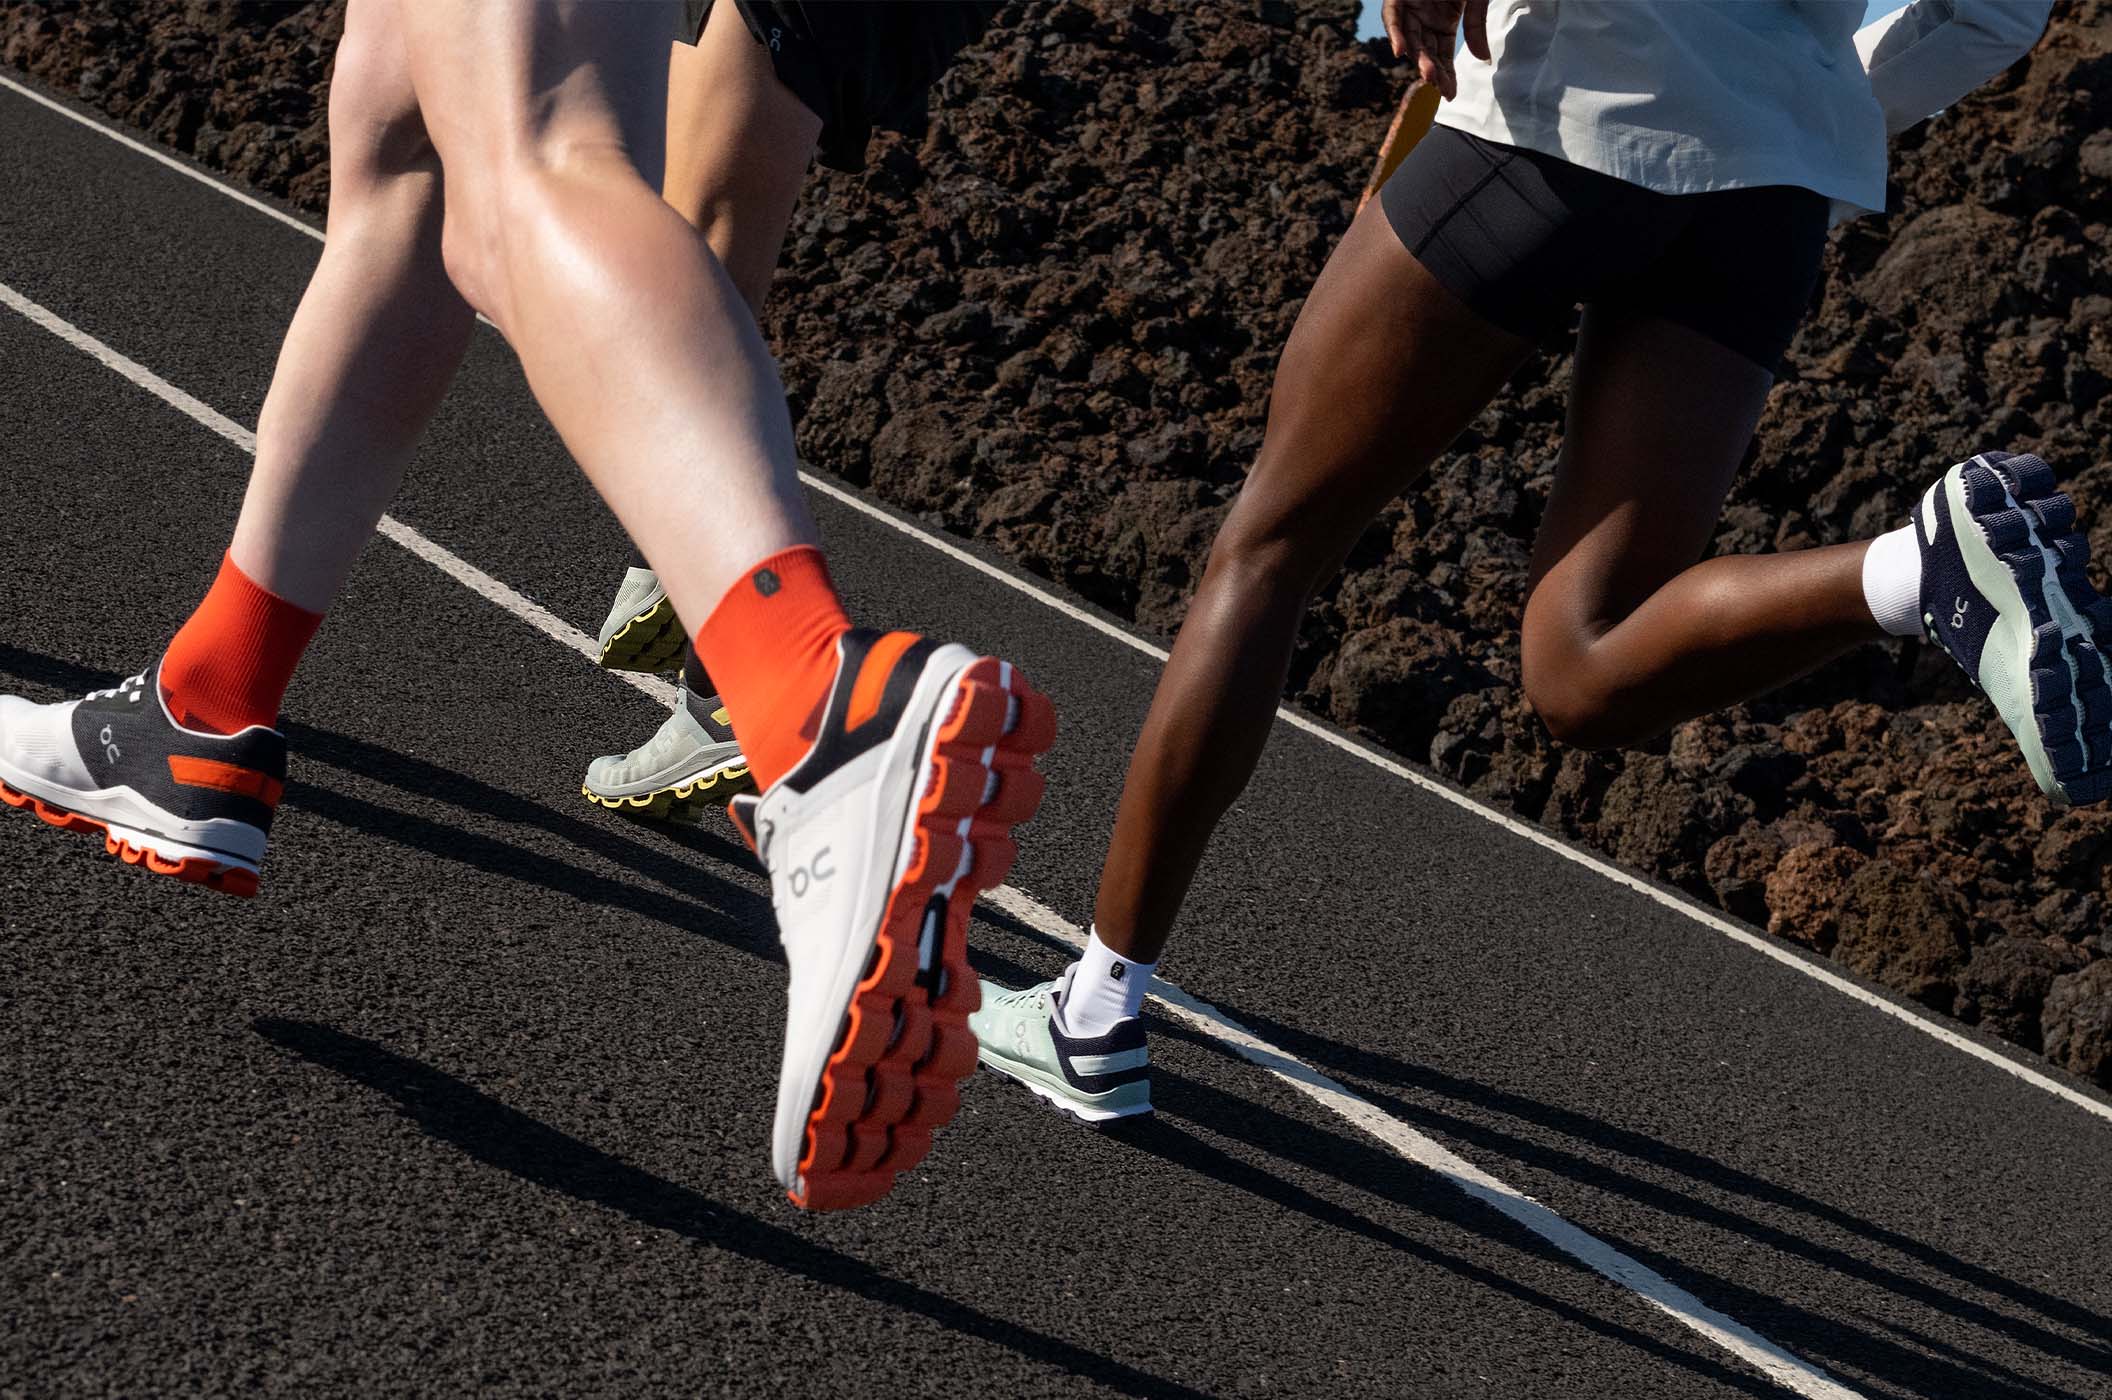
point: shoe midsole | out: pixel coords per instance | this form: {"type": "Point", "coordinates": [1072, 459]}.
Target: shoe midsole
{"type": "Point", "coordinates": [134, 818]}
{"type": "Point", "coordinates": [674, 776]}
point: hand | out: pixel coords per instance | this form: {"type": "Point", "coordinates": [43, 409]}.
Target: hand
{"type": "Point", "coordinates": [1426, 31]}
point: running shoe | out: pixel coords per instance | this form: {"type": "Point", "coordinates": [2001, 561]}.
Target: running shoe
{"type": "Point", "coordinates": [170, 800]}
{"type": "Point", "coordinates": [692, 763]}
{"type": "Point", "coordinates": [2003, 593]}
{"type": "Point", "coordinates": [877, 843]}
{"type": "Point", "coordinates": [1094, 1079]}
{"type": "Point", "coordinates": [641, 632]}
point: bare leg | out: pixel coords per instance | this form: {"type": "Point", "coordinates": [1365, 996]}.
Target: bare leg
{"type": "Point", "coordinates": [377, 338]}
{"type": "Point", "coordinates": [1625, 634]}
{"type": "Point", "coordinates": [738, 146]}
{"type": "Point", "coordinates": [550, 120]}
{"type": "Point", "coordinates": [1382, 370]}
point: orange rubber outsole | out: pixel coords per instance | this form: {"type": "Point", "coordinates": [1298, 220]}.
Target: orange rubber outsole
{"type": "Point", "coordinates": [192, 870]}
{"type": "Point", "coordinates": [894, 1076]}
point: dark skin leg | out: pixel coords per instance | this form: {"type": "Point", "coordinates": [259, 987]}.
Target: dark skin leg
{"type": "Point", "coordinates": [1383, 369]}
{"type": "Point", "coordinates": [1625, 634]}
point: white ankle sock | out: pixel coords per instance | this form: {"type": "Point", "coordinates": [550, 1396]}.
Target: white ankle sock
{"type": "Point", "coordinates": [1105, 988]}
{"type": "Point", "coordinates": [1892, 581]}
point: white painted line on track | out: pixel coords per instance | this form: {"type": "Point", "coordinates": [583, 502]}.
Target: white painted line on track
{"type": "Point", "coordinates": [1677, 903]}
{"type": "Point", "coordinates": [461, 570]}
{"type": "Point", "coordinates": [1778, 1365]}
{"type": "Point", "coordinates": [1783, 1368]}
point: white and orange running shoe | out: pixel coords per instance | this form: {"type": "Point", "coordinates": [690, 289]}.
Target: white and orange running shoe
{"type": "Point", "coordinates": [877, 843]}
{"type": "Point", "coordinates": [171, 800]}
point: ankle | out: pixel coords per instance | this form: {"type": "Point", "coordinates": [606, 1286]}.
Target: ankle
{"type": "Point", "coordinates": [1106, 988]}
{"type": "Point", "coordinates": [1892, 581]}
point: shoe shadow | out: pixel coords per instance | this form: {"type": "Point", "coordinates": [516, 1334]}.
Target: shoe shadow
{"type": "Point", "coordinates": [1362, 1068]}
{"type": "Point", "coordinates": [489, 1132]}
{"type": "Point", "coordinates": [688, 896]}
{"type": "Point", "coordinates": [1376, 1171]}
{"type": "Point", "coordinates": [1182, 1150]}
{"type": "Point", "coordinates": [1367, 1167]}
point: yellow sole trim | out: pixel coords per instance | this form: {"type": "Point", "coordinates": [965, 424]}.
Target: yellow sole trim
{"type": "Point", "coordinates": [651, 641]}
{"type": "Point", "coordinates": [682, 801]}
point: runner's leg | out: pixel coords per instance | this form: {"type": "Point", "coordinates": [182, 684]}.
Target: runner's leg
{"type": "Point", "coordinates": [909, 762]}
{"type": "Point", "coordinates": [633, 338]}
{"type": "Point", "coordinates": [1383, 368]}
{"type": "Point", "coordinates": [1625, 634]}
{"type": "Point", "coordinates": [371, 350]}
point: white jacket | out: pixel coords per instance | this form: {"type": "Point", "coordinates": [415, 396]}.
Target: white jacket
{"type": "Point", "coordinates": [1682, 96]}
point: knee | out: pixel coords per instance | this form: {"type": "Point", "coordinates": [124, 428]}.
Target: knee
{"type": "Point", "coordinates": [1580, 705]}
{"type": "Point", "coordinates": [1575, 712]}
{"type": "Point", "coordinates": [1283, 550]}
{"type": "Point", "coordinates": [377, 136]}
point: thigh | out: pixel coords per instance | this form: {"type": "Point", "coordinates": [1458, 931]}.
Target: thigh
{"type": "Point", "coordinates": [738, 144]}
{"type": "Point", "coordinates": [1660, 417]}
{"type": "Point", "coordinates": [1673, 367]}
{"type": "Point", "coordinates": [505, 81]}
{"type": "Point", "coordinates": [1383, 368]}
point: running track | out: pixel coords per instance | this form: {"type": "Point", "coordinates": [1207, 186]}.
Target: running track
{"type": "Point", "coordinates": [476, 1095]}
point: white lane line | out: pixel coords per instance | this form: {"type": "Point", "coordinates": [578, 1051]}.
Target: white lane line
{"type": "Point", "coordinates": [1782, 1367]}
{"type": "Point", "coordinates": [1677, 903]}
{"type": "Point", "coordinates": [461, 570]}
{"type": "Point", "coordinates": [1683, 1307]}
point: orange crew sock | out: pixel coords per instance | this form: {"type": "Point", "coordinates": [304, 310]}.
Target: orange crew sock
{"type": "Point", "coordinates": [229, 666]}
{"type": "Point", "coordinates": [771, 646]}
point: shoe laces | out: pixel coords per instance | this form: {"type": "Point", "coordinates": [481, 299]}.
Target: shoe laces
{"type": "Point", "coordinates": [137, 682]}
{"type": "Point", "coordinates": [1026, 996]}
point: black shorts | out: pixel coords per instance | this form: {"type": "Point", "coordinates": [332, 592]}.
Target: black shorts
{"type": "Point", "coordinates": [1523, 238]}
{"type": "Point", "coordinates": [856, 66]}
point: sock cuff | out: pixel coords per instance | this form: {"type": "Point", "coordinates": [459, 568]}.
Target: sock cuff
{"type": "Point", "coordinates": [1892, 581]}
{"type": "Point", "coordinates": [798, 569]}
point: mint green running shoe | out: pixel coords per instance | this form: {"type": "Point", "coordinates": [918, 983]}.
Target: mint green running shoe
{"type": "Point", "coordinates": [1094, 1079]}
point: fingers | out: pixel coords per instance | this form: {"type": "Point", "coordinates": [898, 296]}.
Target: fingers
{"type": "Point", "coordinates": [1476, 20]}
{"type": "Point", "coordinates": [1395, 15]}
{"type": "Point", "coordinates": [1433, 47]}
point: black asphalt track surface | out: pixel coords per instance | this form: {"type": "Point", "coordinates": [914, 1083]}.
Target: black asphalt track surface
{"type": "Point", "coordinates": [476, 1095]}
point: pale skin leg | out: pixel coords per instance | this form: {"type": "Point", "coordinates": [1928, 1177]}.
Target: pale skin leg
{"type": "Point", "coordinates": [648, 357]}
{"type": "Point", "coordinates": [738, 146]}
{"type": "Point", "coordinates": [374, 344]}
{"type": "Point", "coordinates": [549, 119]}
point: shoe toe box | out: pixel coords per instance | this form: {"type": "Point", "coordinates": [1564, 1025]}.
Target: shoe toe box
{"type": "Point", "coordinates": [36, 742]}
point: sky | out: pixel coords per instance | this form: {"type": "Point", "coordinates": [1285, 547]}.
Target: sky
{"type": "Point", "coordinates": [1370, 27]}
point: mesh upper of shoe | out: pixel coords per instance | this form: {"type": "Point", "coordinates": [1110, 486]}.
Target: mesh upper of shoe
{"type": "Point", "coordinates": [39, 739]}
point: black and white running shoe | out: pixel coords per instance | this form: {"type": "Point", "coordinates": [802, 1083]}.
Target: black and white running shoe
{"type": "Point", "coordinates": [2003, 593]}
{"type": "Point", "coordinates": [170, 800]}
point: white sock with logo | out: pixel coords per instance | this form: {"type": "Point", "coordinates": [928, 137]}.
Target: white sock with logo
{"type": "Point", "coordinates": [1892, 581]}
{"type": "Point", "coordinates": [1106, 988]}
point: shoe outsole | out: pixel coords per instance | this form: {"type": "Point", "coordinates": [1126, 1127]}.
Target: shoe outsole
{"type": "Point", "coordinates": [236, 880]}
{"type": "Point", "coordinates": [2023, 517]}
{"type": "Point", "coordinates": [686, 801]}
{"type": "Point", "coordinates": [1049, 1099]}
{"type": "Point", "coordinates": [651, 641]}
{"type": "Point", "coordinates": [893, 1078]}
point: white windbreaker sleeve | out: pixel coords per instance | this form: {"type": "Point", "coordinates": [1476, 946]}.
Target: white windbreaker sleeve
{"type": "Point", "coordinates": [1923, 58]}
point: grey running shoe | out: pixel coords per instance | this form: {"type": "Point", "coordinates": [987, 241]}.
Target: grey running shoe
{"type": "Point", "coordinates": [641, 632]}
{"type": "Point", "coordinates": [694, 762]}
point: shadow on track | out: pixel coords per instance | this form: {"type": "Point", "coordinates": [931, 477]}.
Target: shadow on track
{"type": "Point", "coordinates": [489, 1132]}
{"type": "Point", "coordinates": [1934, 1370]}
